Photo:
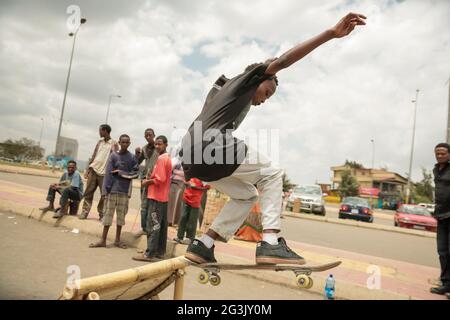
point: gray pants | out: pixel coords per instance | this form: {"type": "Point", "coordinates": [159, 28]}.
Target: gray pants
{"type": "Point", "coordinates": [256, 174]}
{"type": "Point", "coordinates": [94, 180]}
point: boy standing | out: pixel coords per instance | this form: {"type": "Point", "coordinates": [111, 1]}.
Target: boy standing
{"type": "Point", "coordinates": [192, 198]}
{"type": "Point", "coordinates": [149, 154]}
{"type": "Point", "coordinates": [96, 170]}
{"type": "Point", "coordinates": [158, 196]}
{"type": "Point", "coordinates": [121, 168]}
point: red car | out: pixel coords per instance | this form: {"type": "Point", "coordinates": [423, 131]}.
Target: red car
{"type": "Point", "coordinates": [416, 217]}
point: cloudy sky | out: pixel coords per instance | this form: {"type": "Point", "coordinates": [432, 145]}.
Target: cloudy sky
{"type": "Point", "coordinates": [163, 56]}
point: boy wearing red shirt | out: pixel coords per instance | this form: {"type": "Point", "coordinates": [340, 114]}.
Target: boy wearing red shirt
{"type": "Point", "coordinates": [157, 197]}
{"type": "Point", "coordinates": [192, 198]}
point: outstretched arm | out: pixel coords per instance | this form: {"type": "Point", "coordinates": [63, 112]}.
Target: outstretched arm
{"type": "Point", "coordinates": [343, 28]}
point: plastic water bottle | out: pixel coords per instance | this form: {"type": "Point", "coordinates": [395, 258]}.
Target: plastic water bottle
{"type": "Point", "coordinates": [329, 287]}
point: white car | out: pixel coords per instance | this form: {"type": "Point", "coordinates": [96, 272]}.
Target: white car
{"type": "Point", "coordinates": [311, 199]}
{"type": "Point", "coordinates": [429, 206]}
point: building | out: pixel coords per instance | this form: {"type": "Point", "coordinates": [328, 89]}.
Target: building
{"type": "Point", "coordinates": [385, 188]}
{"type": "Point", "coordinates": [67, 148]}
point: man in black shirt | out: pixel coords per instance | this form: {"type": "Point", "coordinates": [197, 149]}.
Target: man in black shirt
{"type": "Point", "coordinates": [211, 153]}
{"type": "Point", "coordinates": [441, 173]}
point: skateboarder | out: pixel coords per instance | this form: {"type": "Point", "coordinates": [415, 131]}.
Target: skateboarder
{"type": "Point", "coordinates": [70, 187]}
{"type": "Point", "coordinates": [210, 153]}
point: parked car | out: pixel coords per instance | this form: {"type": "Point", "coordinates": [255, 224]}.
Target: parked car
{"type": "Point", "coordinates": [414, 216]}
{"type": "Point", "coordinates": [429, 206]}
{"type": "Point", "coordinates": [356, 208]}
{"type": "Point", "coordinates": [311, 199]}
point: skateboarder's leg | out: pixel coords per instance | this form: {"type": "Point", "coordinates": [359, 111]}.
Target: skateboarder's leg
{"type": "Point", "coordinates": [243, 195]}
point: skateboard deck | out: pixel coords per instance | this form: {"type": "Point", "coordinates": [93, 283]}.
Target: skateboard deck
{"type": "Point", "coordinates": [302, 273]}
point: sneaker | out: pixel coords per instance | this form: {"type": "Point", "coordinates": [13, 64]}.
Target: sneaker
{"type": "Point", "coordinates": [448, 295]}
{"type": "Point", "coordinates": [197, 252]}
{"type": "Point", "coordinates": [276, 254]}
{"type": "Point", "coordinates": [442, 290]}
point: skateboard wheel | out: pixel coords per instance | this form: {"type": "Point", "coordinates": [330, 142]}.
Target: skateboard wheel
{"type": "Point", "coordinates": [310, 284]}
{"type": "Point", "coordinates": [214, 280]}
{"type": "Point", "coordinates": [303, 281]}
{"type": "Point", "coordinates": [203, 277]}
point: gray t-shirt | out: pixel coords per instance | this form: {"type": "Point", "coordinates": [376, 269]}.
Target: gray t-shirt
{"type": "Point", "coordinates": [223, 111]}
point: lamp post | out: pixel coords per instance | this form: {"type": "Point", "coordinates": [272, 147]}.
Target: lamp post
{"type": "Point", "coordinates": [109, 105]}
{"type": "Point", "coordinates": [408, 190]}
{"type": "Point", "coordinates": [74, 35]}
{"type": "Point", "coordinates": [42, 129]}
{"type": "Point", "coordinates": [371, 175]}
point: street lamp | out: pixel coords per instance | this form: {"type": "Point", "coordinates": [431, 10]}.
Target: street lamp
{"type": "Point", "coordinates": [74, 35]}
{"type": "Point", "coordinates": [42, 129]}
{"type": "Point", "coordinates": [371, 176]}
{"type": "Point", "coordinates": [408, 190]}
{"type": "Point", "coordinates": [109, 105]}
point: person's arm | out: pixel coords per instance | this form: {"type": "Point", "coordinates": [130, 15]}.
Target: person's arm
{"type": "Point", "coordinates": [86, 172]}
{"type": "Point", "coordinates": [133, 173]}
{"type": "Point", "coordinates": [343, 28]}
{"type": "Point", "coordinates": [108, 180]}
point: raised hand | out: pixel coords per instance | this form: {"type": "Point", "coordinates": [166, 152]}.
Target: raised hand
{"type": "Point", "coordinates": [346, 25]}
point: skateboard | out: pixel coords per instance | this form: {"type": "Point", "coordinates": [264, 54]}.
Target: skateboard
{"type": "Point", "coordinates": [302, 273]}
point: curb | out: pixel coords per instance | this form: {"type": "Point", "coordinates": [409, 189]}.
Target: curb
{"type": "Point", "coordinates": [136, 184]}
{"type": "Point", "coordinates": [344, 290]}
{"type": "Point", "coordinates": [361, 224]}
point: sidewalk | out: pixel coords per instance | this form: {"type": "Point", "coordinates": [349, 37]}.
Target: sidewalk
{"type": "Point", "coordinates": [398, 280]}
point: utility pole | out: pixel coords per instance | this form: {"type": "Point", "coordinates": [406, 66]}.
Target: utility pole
{"type": "Point", "coordinates": [371, 173]}
{"type": "Point", "coordinates": [448, 116]}
{"type": "Point", "coordinates": [408, 190]}
{"type": "Point", "coordinates": [74, 35]}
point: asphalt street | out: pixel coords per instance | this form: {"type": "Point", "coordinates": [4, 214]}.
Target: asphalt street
{"type": "Point", "coordinates": [392, 245]}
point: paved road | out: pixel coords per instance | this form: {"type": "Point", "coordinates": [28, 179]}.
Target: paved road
{"type": "Point", "coordinates": [35, 257]}
{"type": "Point", "coordinates": [403, 247]}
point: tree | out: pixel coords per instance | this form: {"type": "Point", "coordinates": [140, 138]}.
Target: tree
{"type": "Point", "coordinates": [287, 184]}
{"type": "Point", "coordinates": [353, 164]}
{"type": "Point", "coordinates": [21, 149]}
{"type": "Point", "coordinates": [422, 192]}
{"type": "Point", "coordinates": [348, 186]}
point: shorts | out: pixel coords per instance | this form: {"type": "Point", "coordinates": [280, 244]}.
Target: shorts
{"type": "Point", "coordinates": [117, 202]}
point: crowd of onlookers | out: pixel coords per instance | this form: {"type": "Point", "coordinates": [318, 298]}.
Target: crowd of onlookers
{"type": "Point", "coordinates": [167, 199]}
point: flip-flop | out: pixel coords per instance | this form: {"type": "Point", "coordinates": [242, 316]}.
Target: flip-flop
{"type": "Point", "coordinates": [97, 245]}
{"type": "Point", "coordinates": [121, 245]}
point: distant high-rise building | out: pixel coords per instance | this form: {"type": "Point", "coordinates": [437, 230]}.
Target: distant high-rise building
{"type": "Point", "coordinates": [67, 147]}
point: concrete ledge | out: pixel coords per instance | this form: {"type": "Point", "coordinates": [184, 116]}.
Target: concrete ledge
{"type": "Point", "coordinates": [361, 224]}
{"type": "Point", "coordinates": [344, 290]}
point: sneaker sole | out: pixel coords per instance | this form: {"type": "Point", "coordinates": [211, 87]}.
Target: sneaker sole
{"type": "Point", "coordinates": [272, 260]}
{"type": "Point", "coordinates": [194, 258]}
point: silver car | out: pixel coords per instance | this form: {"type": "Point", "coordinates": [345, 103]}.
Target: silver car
{"type": "Point", "coordinates": [311, 199]}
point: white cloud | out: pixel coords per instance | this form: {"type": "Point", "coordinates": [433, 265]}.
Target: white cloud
{"type": "Point", "coordinates": [328, 106]}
